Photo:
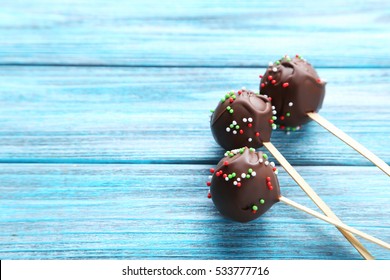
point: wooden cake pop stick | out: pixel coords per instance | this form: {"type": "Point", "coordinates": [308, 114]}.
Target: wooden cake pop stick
{"type": "Point", "coordinates": [315, 198]}
{"type": "Point", "coordinates": [350, 141]}
{"type": "Point", "coordinates": [334, 222]}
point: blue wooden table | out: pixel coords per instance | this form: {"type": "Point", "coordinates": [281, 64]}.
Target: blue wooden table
{"type": "Point", "coordinates": [104, 136]}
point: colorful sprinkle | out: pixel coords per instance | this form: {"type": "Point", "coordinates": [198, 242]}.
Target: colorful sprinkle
{"type": "Point", "coordinates": [285, 85]}
{"type": "Point", "coordinates": [262, 201]}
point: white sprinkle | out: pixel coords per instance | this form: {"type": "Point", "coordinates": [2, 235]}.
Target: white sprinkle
{"type": "Point", "coordinates": [260, 160]}
{"type": "Point", "coordinates": [243, 175]}
{"type": "Point", "coordinates": [226, 178]}
{"type": "Point", "coordinates": [238, 179]}
{"type": "Point", "coordinates": [250, 120]}
{"type": "Point", "coordinates": [266, 162]}
{"type": "Point", "coordinates": [270, 63]}
{"type": "Point", "coordinates": [276, 172]}
{"type": "Point", "coordinates": [244, 120]}
{"type": "Point", "coordinates": [234, 131]}
{"type": "Point", "coordinates": [288, 132]}
{"type": "Point", "coordinates": [210, 176]}
{"type": "Point", "coordinates": [275, 69]}
{"type": "Point", "coordinates": [235, 183]}
{"type": "Point", "coordinates": [290, 104]}
{"type": "Point", "coordinates": [272, 164]}
{"type": "Point", "coordinates": [266, 96]}
{"type": "Point", "coordinates": [250, 139]}
{"type": "Point", "coordinates": [274, 112]}
{"type": "Point", "coordinates": [253, 173]}
{"type": "Point", "coordinates": [228, 129]}
{"type": "Point", "coordinates": [243, 88]}
{"type": "Point", "coordinates": [226, 154]}
{"type": "Point", "coordinates": [234, 122]}
{"type": "Point", "coordinates": [273, 107]}
{"type": "Point", "coordinates": [298, 128]}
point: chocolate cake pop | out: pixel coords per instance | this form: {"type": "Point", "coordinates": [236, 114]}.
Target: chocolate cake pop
{"type": "Point", "coordinates": [244, 185]}
{"type": "Point", "coordinates": [295, 90]}
{"type": "Point", "coordinates": [242, 118]}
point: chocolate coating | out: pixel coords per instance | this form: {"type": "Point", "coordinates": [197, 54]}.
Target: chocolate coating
{"type": "Point", "coordinates": [295, 89]}
{"type": "Point", "coordinates": [242, 119]}
{"type": "Point", "coordinates": [251, 187]}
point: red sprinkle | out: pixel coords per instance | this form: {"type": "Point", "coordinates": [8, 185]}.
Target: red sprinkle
{"type": "Point", "coordinates": [281, 118]}
{"type": "Point", "coordinates": [297, 55]}
{"type": "Point", "coordinates": [268, 178]}
{"type": "Point", "coordinates": [212, 170]}
{"type": "Point", "coordinates": [208, 184]}
{"type": "Point", "coordinates": [273, 82]}
{"type": "Point", "coordinates": [270, 78]}
{"type": "Point", "coordinates": [270, 98]}
{"type": "Point", "coordinates": [257, 134]}
{"type": "Point", "coordinates": [239, 92]}
{"type": "Point", "coordinates": [271, 188]}
{"type": "Point", "coordinates": [254, 211]}
{"type": "Point", "coordinates": [285, 85]}
{"type": "Point", "coordinates": [271, 121]}
{"type": "Point", "coordinates": [226, 163]}
{"type": "Point", "coordinates": [238, 185]}
{"type": "Point", "coordinates": [262, 85]}
{"type": "Point", "coordinates": [260, 76]}
{"type": "Point", "coordinates": [249, 125]}
{"type": "Point", "coordinates": [241, 131]}
{"type": "Point", "coordinates": [224, 175]}
{"type": "Point", "coordinates": [274, 169]}
{"type": "Point", "coordinates": [319, 81]}
{"type": "Point", "coordinates": [209, 195]}
{"type": "Point", "coordinates": [231, 100]}
{"type": "Point", "coordinates": [282, 127]}
{"type": "Point", "coordinates": [269, 184]}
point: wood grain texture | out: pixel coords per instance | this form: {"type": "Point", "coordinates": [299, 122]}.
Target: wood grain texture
{"type": "Point", "coordinates": [111, 162]}
{"type": "Point", "coordinates": [142, 115]}
{"type": "Point", "coordinates": [194, 33]}
{"type": "Point", "coordinates": [161, 212]}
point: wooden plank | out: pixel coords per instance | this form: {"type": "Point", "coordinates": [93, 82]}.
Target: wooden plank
{"type": "Point", "coordinates": [194, 33]}
{"type": "Point", "coordinates": [143, 115]}
{"type": "Point", "coordinates": [161, 212]}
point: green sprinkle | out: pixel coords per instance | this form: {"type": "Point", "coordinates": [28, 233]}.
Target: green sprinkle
{"type": "Point", "coordinates": [288, 128]}
{"type": "Point", "coordinates": [212, 110]}
{"type": "Point", "coordinates": [237, 127]}
{"type": "Point", "coordinates": [250, 170]}
{"type": "Point", "coordinates": [254, 208]}
{"type": "Point", "coordinates": [248, 176]}
{"type": "Point", "coordinates": [234, 97]}
{"type": "Point", "coordinates": [228, 108]}
{"type": "Point", "coordinates": [227, 96]}
{"type": "Point", "coordinates": [274, 126]}
{"type": "Point", "coordinates": [265, 156]}
{"type": "Point", "coordinates": [242, 150]}
{"type": "Point", "coordinates": [230, 176]}
{"type": "Point", "coordinates": [231, 93]}
{"type": "Point", "coordinates": [277, 62]}
{"type": "Point", "coordinates": [251, 149]}
{"type": "Point", "coordinates": [262, 201]}
{"type": "Point", "coordinates": [231, 111]}
{"type": "Point", "coordinates": [294, 128]}
{"type": "Point", "coordinates": [231, 126]}
{"type": "Point", "coordinates": [274, 118]}
{"type": "Point", "coordinates": [288, 114]}
{"type": "Point", "coordinates": [223, 100]}
{"type": "Point", "coordinates": [234, 174]}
